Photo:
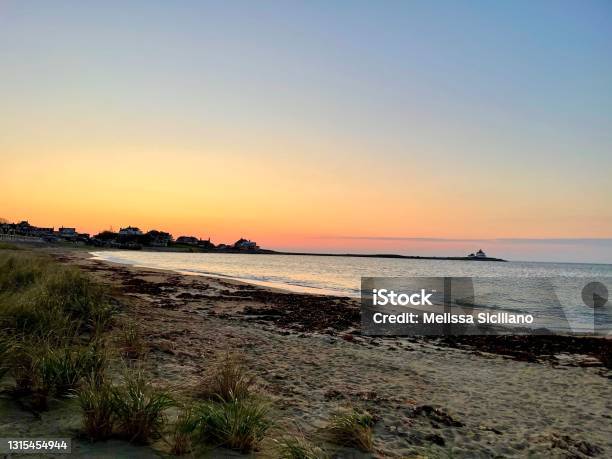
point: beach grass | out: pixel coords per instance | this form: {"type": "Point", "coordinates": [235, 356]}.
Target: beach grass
{"type": "Point", "coordinates": [134, 410]}
{"type": "Point", "coordinates": [50, 316]}
{"type": "Point", "coordinates": [352, 427]}
{"type": "Point", "coordinates": [183, 430]}
{"type": "Point", "coordinates": [229, 379]}
{"type": "Point", "coordinates": [131, 342]}
{"type": "Point", "coordinates": [19, 271]}
{"type": "Point", "coordinates": [140, 408]}
{"type": "Point", "coordinates": [42, 298]}
{"type": "Point", "coordinates": [63, 369]}
{"type": "Point", "coordinates": [298, 447]}
{"type": "Point", "coordinates": [238, 424]}
{"type": "Point", "coordinates": [96, 398]}
{"type": "Point", "coordinates": [9, 246]}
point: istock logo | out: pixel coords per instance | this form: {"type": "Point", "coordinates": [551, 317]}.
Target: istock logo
{"type": "Point", "coordinates": [383, 297]}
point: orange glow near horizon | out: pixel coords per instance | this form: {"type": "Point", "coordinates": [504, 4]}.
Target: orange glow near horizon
{"type": "Point", "coordinates": [309, 127]}
{"type": "Point", "coordinates": [226, 197]}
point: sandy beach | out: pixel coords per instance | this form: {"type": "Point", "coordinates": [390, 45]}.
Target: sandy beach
{"type": "Point", "coordinates": [429, 398]}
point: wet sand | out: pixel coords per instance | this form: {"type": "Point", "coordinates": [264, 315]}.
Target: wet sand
{"type": "Point", "coordinates": [463, 397]}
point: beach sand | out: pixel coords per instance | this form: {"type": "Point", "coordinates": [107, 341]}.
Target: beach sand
{"type": "Point", "coordinates": [430, 398]}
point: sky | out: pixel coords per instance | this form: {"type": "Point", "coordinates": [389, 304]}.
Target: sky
{"type": "Point", "coordinates": [415, 127]}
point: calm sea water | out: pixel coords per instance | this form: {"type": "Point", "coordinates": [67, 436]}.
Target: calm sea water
{"type": "Point", "coordinates": [511, 286]}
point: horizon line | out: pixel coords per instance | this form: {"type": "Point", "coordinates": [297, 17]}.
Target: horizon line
{"type": "Point", "coordinates": [442, 239]}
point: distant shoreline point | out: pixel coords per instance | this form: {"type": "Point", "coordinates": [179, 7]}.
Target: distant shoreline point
{"type": "Point", "coordinates": [388, 255]}
{"type": "Point", "coordinates": [314, 254]}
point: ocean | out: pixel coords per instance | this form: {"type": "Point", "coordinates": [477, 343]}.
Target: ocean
{"type": "Point", "coordinates": [500, 286]}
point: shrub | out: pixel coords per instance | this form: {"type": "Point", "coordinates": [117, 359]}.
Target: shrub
{"type": "Point", "coordinates": [238, 424]}
{"type": "Point", "coordinates": [140, 408]}
{"type": "Point", "coordinates": [96, 398]}
{"type": "Point", "coordinates": [228, 380]}
{"type": "Point", "coordinates": [352, 428]}
{"type": "Point", "coordinates": [298, 447]}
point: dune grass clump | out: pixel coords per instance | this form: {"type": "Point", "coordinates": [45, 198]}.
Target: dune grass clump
{"type": "Point", "coordinates": [4, 355]}
{"type": "Point", "coordinates": [228, 380]}
{"type": "Point", "coordinates": [18, 272]}
{"type": "Point", "coordinates": [42, 368]}
{"type": "Point", "coordinates": [182, 433]}
{"type": "Point", "coordinates": [96, 398]}
{"type": "Point", "coordinates": [131, 341]}
{"type": "Point", "coordinates": [30, 380]}
{"type": "Point", "coordinates": [62, 369]}
{"type": "Point", "coordinates": [238, 424]}
{"type": "Point", "coordinates": [24, 317]}
{"type": "Point", "coordinates": [140, 409]}
{"type": "Point", "coordinates": [8, 246]}
{"type": "Point", "coordinates": [76, 296]}
{"type": "Point", "coordinates": [231, 416]}
{"type": "Point", "coordinates": [352, 427]}
{"type": "Point", "coordinates": [50, 316]}
{"type": "Point", "coordinates": [41, 298]}
{"type": "Point", "coordinates": [298, 447]}
{"type": "Point", "coordinates": [134, 411]}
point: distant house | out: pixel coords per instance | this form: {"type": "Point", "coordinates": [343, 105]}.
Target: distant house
{"type": "Point", "coordinates": [130, 231]}
{"type": "Point", "coordinates": [245, 244]}
{"type": "Point", "coordinates": [41, 232]}
{"type": "Point", "coordinates": [205, 243]}
{"type": "Point", "coordinates": [191, 240]}
{"type": "Point", "coordinates": [67, 232]}
{"type": "Point", "coordinates": [23, 228]}
{"type": "Point", "coordinates": [479, 254]}
{"type": "Point", "coordinates": [156, 238]}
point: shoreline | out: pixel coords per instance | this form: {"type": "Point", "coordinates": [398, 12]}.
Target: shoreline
{"type": "Point", "coordinates": [273, 286]}
{"type": "Point", "coordinates": [469, 397]}
{"type": "Point", "coordinates": [301, 310]}
{"type": "Point", "coordinates": [197, 249]}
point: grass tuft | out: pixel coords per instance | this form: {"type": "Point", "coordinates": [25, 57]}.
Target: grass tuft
{"type": "Point", "coordinates": [182, 433]}
{"type": "Point", "coordinates": [298, 447]}
{"type": "Point", "coordinates": [352, 427]}
{"type": "Point", "coordinates": [74, 294]}
{"type": "Point", "coordinates": [62, 369]}
{"type": "Point", "coordinates": [228, 380]}
{"type": "Point", "coordinates": [8, 246]}
{"type": "Point", "coordinates": [96, 398]}
{"type": "Point", "coordinates": [5, 349]}
{"type": "Point", "coordinates": [238, 424]}
{"type": "Point", "coordinates": [49, 317]}
{"type": "Point", "coordinates": [41, 298]}
{"type": "Point", "coordinates": [131, 342]}
{"type": "Point", "coordinates": [140, 408]}
{"type": "Point", "coordinates": [18, 272]}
